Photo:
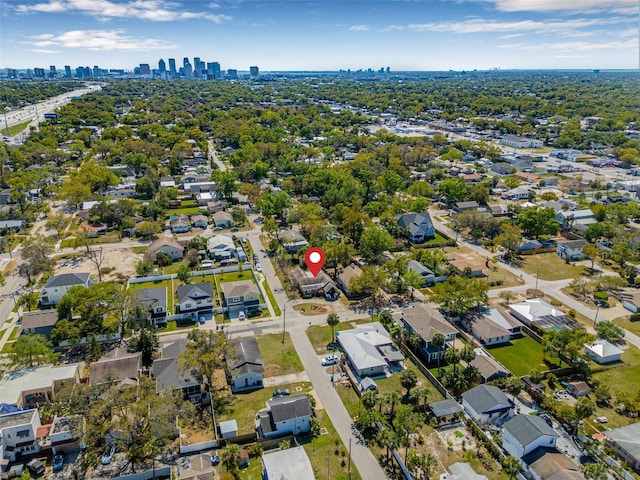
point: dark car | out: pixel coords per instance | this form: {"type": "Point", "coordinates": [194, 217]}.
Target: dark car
{"type": "Point", "coordinates": [215, 460]}
{"type": "Point", "coordinates": [36, 467]}
{"type": "Point", "coordinates": [58, 462]}
{"type": "Point", "coordinates": [280, 392]}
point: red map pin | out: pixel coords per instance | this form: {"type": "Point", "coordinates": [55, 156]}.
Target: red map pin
{"type": "Point", "coordinates": [315, 258]}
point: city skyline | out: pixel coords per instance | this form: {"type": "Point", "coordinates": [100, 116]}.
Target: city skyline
{"type": "Point", "coordinates": [322, 35]}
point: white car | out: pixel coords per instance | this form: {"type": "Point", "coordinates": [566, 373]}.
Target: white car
{"type": "Point", "coordinates": [242, 316]}
{"type": "Point", "coordinates": [329, 360]}
{"type": "Point", "coordinates": [258, 267]}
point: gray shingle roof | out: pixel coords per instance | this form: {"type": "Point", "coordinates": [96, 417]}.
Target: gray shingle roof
{"type": "Point", "coordinates": [39, 318]}
{"type": "Point", "coordinates": [628, 438]}
{"type": "Point", "coordinates": [445, 407]}
{"type": "Point", "coordinates": [150, 297]}
{"type": "Point", "coordinates": [67, 279]}
{"type": "Point", "coordinates": [486, 398]}
{"type": "Point", "coordinates": [286, 408]}
{"type": "Point", "coordinates": [195, 291]}
{"type": "Point", "coordinates": [528, 428]}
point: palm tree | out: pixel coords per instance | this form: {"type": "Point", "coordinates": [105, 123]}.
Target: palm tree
{"type": "Point", "coordinates": [369, 399]}
{"type": "Point", "coordinates": [438, 341]}
{"type": "Point", "coordinates": [511, 465]}
{"type": "Point", "coordinates": [28, 300]}
{"type": "Point", "coordinates": [408, 380]}
{"type": "Point", "coordinates": [429, 463]}
{"type": "Point", "coordinates": [414, 280]}
{"type": "Point", "coordinates": [388, 438]}
{"type": "Point", "coordinates": [415, 341]}
{"type": "Point", "coordinates": [584, 408]}
{"type": "Point", "coordinates": [467, 353]}
{"type": "Point", "coordinates": [229, 456]}
{"type": "Point", "coordinates": [451, 356]}
{"type": "Point", "coordinates": [421, 394]}
{"type": "Point", "coordinates": [392, 399]}
{"type": "Point", "coordinates": [333, 320]}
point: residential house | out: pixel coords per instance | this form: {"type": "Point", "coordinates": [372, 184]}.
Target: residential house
{"type": "Point", "coordinates": [167, 245]}
{"type": "Point", "coordinates": [58, 285]}
{"type": "Point", "coordinates": [522, 434]}
{"type": "Point", "coordinates": [426, 321]}
{"type": "Point", "coordinates": [245, 366]}
{"type": "Point", "coordinates": [167, 182]}
{"type": "Point", "coordinates": [152, 303]}
{"type": "Point", "coordinates": [503, 319]}
{"type": "Point", "coordinates": [487, 404]}
{"type": "Point", "coordinates": [216, 206]}
{"type": "Point", "coordinates": [471, 205]}
{"type": "Point", "coordinates": [428, 276]}
{"type": "Point", "coordinates": [536, 311]}
{"type": "Point", "coordinates": [318, 285]}
{"type": "Point", "coordinates": [18, 436]}
{"type": "Point", "coordinates": [221, 247]}
{"type": "Point", "coordinates": [180, 224]}
{"type": "Point", "coordinates": [488, 367]}
{"type": "Point", "coordinates": [578, 389]}
{"type": "Point", "coordinates": [39, 322]}
{"type": "Point", "coordinates": [199, 221]}
{"type": "Point", "coordinates": [463, 471]}
{"type": "Point", "coordinates": [545, 464]}
{"type": "Point", "coordinates": [36, 385]}
{"type": "Point", "coordinates": [241, 296]}
{"type": "Point", "coordinates": [168, 374]}
{"type": "Point", "coordinates": [285, 416]}
{"type": "Point", "coordinates": [369, 349]}
{"type": "Point", "coordinates": [293, 241]}
{"type": "Point", "coordinates": [11, 225]}
{"type": "Point", "coordinates": [518, 193]}
{"type": "Point", "coordinates": [572, 250]}
{"type": "Point", "coordinates": [195, 188]}
{"type": "Point", "coordinates": [66, 433]}
{"type": "Point", "coordinates": [528, 177]}
{"type": "Point", "coordinates": [577, 220]}
{"type": "Point", "coordinates": [626, 442]}
{"type": "Point", "coordinates": [485, 330]}
{"type": "Point", "coordinates": [602, 351]}
{"type": "Point", "coordinates": [345, 277]}
{"type": "Point", "coordinates": [290, 463]}
{"type": "Point", "coordinates": [195, 299]}
{"type": "Point", "coordinates": [446, 411]}
{"type": "Point", "coordinates": [501, 168]}
{"type": "Point", "coordinates": [419, 226]}
{"type": "Point", "coordinates": [117, 365]}
{"type": "Point", "coordinates": [222, 219]}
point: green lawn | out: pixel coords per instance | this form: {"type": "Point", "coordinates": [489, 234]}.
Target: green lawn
{"type": "Point", "coordinates": [279, 358]}
{"type": "Point", "coordinates": [320, 336]}
{"type": "Point", "coordinates": [551, 267]}
{"type": "Point", "coordinates": [14, 334]}
{"type": "Point", "coordinates": [272, 299]}
{"type": "Point", "coordinates": [243, 406]}
{"type": "Point", "coordinates": [163, 283]}
{"type": "Point", "coordinates": [185, 211]}
{"type": "Point", "coordinates": [174, 325]}
{"type": "Point", "coordinates": [140, 250]}
{"type": "Point", "coordinates": [522, 355]}
{"type": "Point", "coordinates": [8, 347]}
{"type": "Point", "coordinates": [437, 240]}
{"type": "Point", "coordinates": [110, 237]}
{"type": "Point", "coordinates": [15, 129]}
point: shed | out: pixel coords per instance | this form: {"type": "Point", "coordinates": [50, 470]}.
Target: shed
{"type": "Point", "coordinates": [578, 389]}
{"type": "Point", "coordinates": [229, 429]}
{"type": "Point", "coordinates": [367, 383]}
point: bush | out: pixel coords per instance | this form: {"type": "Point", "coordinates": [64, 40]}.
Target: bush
{"type": "Point", "coordinates": [635, 317]}
{"type": "Point", "coordinates": [600, 295]}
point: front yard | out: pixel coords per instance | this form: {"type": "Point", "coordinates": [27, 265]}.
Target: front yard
{"type": "Point", "coordinates": [279, 358]}
{"type": "Point", "coordinates": [550, 266]}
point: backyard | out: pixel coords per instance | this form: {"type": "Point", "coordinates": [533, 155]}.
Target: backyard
{"type": "Point", "coordinates": [521, 355]}
{"type": "Point", "coordinates": [550, 266]}
{"type": "Point", "coordinates": [320, 335]}
{"type": "Point", "coordinates": [168, 284]}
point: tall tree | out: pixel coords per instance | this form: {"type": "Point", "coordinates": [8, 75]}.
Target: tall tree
{"type": "Point", "coordinates": [30, 350]}
{"type": "Point", "coordinates": [333, 320]}
{"type": "Point", "coordinates": [29, 300]}
{"type": "Point", "coordinates": [35, 255]}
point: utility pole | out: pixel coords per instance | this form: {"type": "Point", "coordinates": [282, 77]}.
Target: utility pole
{"type": "Point", "coordinates": [284, 321]}
{"type": "Point", "coordinates": [349, 460]}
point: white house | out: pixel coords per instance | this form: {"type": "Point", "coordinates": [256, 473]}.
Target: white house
{"type": "Point", "coordinates": [291, 463]}
{"type": "Point", "coordinates": [519, 142]}
{"type": "Point", "coordinates": [536, 311]}
{"type": "Point", "coordinates": [221, 247]}
{"type": "Point", "coordinates": [195, 299]}
{"type": "Point", "coordinates": [58, 285]}
{"type": "Point", "coordinates": [284, 416]}
{"type": "Point", "coordinates": [369, 349]}
{"type": "Point", "coordinates": [18, 435]}
{"type": "Point", "coordinates": [524, 433]}
{"type": "Point", "coordinates": [572, 249]}
{"type": "Point", "coordinates": [419, 226]}
{"type": "Point", "coordinates": [518, 193]}
{"type": "Point", "coordinates": [603, 351]}
{"type": "Point", "coordinates": [487, 404]}
{"type": "Point", "coordinates": [36, 385]}
{"type": "Point", "coordinates": [485, 330]}
{"type": "Point", "coordinates": [180, 224]}
{"type": "Point", "coordinates": [167, 245]}
{"type": "Point", "coordinates": [577, 220]}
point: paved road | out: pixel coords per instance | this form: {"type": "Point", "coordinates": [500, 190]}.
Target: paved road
{"type": "Point", "coordinates": [213, 156]}
{"type": "Point", "coordinates": [554, 288]}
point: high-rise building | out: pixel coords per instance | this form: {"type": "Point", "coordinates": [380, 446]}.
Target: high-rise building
{"type": "Point", "coordinates": [188, 71]}
{"type": "Point", "coordinates": [67, 71]}
{"type": "Point", "coordinates": [172, 66]}
{"type": "Point", "coordinates": [96, 71]}
{"type": "Point", "coordinates": [254, 72]}
{"type": "Point", "coordinates": [145, 69]}
{"type": "Point", "coordinates": [232, 73]}
{"type": "Point", "coordinates": [197, 67]}
{"type": "Point", "coordinates": [185, 61]}
{"type": "Point", "coordinates": [38, 72]}
{"type": "Point", "coordinates": [162, 67]}
{"type": "Point", "coordinates": [215, 71]}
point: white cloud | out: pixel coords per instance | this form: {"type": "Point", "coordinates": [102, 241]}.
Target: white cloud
{"type": "Point", "coordinates": [569, 48]}
{"type": "Point", "coordinates": [495, 26]}
{"type": "Point", "coordinates": [152, 10]}
{"type": "Point", "coordinates": [565, 5]}
{"type": "Point", "coordinates": [359, 28]}
{"type": "Point", "coordinates": [43, 50]}
{"type": "Point", "coordinates": [98, 40]}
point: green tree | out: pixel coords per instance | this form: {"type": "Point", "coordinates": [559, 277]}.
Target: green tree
{"type": "Point", "coordinates": [458, 294]}
{"type": "Point", "coordinates": [438, 341]}
{"type": "Point", "coordinates": [595, 471]}
{"type": "Point", "coordinates": [374, 241]}
{"type": "Point", "coordinates": [274, 204]}
{"type": "Point", "coordinates": [30, 350]}
{"type": "Point", "coordinates": [536, 221]}
{"type": "Point", "coordinates": [333, 320]}
{"type": "Point", "coordinates": [413, 280]}
{"type": "Point", "coordinates": [58, 222]}
{"type": "Point", "coordinates": [510, 238]}
{"type": "Point", "coordinates": [29, 300]}
{"type": "Point", "coordinates": [184, 274]}
{"type": "Point", "coordinates": [511, 466]}
{"type": "Point", "coordinates": [584, 408]}
{"type": "Point", "coordinates": [453, 189]}
{"type": "Point", "coordinates": [95, 352]}
{"type": "Point", "coordinates": [145, 341]}
{"type": "Point", "coordinates": [226, 183]}
{"type": "Point", "coordinates": [592, 252]}
{"type": "Point", "coordinates": [408, 380]}
{"type": "Point", "coordinates": [204, 355]}
{"type": "Point", "coordinates": [35, 252]}
{"type": "Point", "coordinates": [372, 279]}
{"type": "Point", "coordinates": [610, 331]}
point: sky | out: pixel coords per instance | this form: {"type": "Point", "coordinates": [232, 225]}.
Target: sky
{"type": "Point", "coordinates": [281, 35]}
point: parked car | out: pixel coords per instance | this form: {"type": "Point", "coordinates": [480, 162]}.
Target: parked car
{"type": "Point", "coordinates": [329, 360]}
{"type": "Point", "coordinates": [280, 392]}
{"type": "Point", "coordinates": [58, 462]}
{"type": "Point", "coordinates": [36, 467]}
{"type": "Point", "coordinates": [258, 267]}
{"type": "Point", "coordinates": [242, 316]}
{"type": "Point", "coordinates": [108, 455]}
{"type": "Point", "coordinates": [215, 460]}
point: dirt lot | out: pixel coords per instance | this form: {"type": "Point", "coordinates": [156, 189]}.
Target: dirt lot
{"type": "Point", "coordinates": [121, 261]}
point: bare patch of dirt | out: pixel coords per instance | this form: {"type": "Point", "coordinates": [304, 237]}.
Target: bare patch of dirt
{"type": "Point", "coordinates": [120, 263]}
{"type": "Point", "coordinates": [312, 309]}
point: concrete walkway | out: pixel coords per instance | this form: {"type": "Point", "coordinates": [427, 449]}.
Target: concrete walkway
{"type": "Point", "coordinates": [285, 379]}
